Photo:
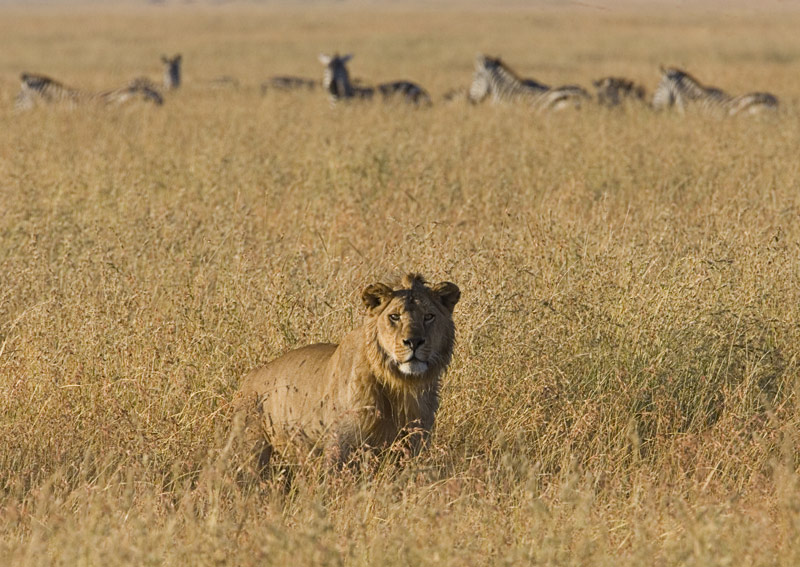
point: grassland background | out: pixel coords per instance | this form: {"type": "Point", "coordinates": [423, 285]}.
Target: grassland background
{"type": "Point", "coordinates": [624, 389]}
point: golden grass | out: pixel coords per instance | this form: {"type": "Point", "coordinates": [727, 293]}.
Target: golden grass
{"type": "Point", "coordinates": [624, 389]}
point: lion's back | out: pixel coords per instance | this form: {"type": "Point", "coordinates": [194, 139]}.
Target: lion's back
{"type": "Point", "coordinates": [288, 392]}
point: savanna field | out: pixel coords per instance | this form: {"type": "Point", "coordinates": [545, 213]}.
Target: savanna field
{"type": "Point", "coordinates": [624, 389]}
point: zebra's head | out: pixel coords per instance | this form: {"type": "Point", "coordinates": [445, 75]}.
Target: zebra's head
{"type": "Point", "coordinates": [336, 79]}
{"type": "Point", "coordinates": [481, 85]}
{"type": "Point", "coordinates": [172, 71]}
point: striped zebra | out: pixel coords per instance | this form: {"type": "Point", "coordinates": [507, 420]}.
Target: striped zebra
{"type": "Point", "coordinates": [172, 71]}
{"type": "Point", "coordinates": [614, 91]}
{"type": "Point", "coordinates": [36, 89]}
{"type": "Point", "coordinates": [336, 81]}
{"type": "Point", "coordinates": [681, 90]}
{"type": "Point", "coordinates": [494, 78]}
{"type": "Point", "coordinates": [285, 83]}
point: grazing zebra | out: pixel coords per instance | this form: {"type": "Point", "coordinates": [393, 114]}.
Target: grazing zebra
{"type": "Point", "coordinates": [493, 77]}
{"type": "Point", "coordinates": [679, 89]}
{"type": "Point", "coordinates": [172, 71]}
{"type": "Point", "coordinates": [613, 91]}
{"type": "Point", "coordinates": [288, 83]}
{"type": "Point", "coordinates": [336, 81]}
{"type": "Point", "coordinates": [41, 89]}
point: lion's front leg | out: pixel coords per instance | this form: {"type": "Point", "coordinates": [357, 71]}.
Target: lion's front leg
{"type": "Point", "coordinates": [340, 446]}
{"type": "Point", "coordinates": [412, 439]}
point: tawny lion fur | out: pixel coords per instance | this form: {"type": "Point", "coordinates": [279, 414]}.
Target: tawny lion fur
{"type": "Point", "coordinates": [378, 386]}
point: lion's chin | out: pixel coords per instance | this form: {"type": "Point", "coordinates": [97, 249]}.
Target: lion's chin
{"type": "Point", "coordinates": [413, 367]}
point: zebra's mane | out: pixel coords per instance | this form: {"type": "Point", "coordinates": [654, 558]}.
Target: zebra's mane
{"type": "Point", "coordinates": [504, 68]}
{"type": "Point", "coordinates": [680, 75]}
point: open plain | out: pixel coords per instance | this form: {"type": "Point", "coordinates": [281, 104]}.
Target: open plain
{"type": "Point", "coordinates": [624, 389]}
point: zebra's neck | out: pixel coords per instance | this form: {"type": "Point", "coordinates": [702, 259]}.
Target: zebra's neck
{"type": "Point", "coordinates": [506, 85]}
{"type": "Point", "coordinates": [338, 83]}
{"type": "Point", "coordinates": [690, 89]}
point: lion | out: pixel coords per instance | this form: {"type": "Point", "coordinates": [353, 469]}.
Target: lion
{"type": "Point", "coordinates": [378, 386]}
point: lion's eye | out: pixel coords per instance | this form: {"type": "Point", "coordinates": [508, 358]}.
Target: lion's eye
{"type": "Point", "coordinates": [394, 317]}
{"type": "Point", "coordinates": [429, 317]}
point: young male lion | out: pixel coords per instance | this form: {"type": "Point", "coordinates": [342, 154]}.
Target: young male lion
{"type": "Point", "coordinates": [379, 385]}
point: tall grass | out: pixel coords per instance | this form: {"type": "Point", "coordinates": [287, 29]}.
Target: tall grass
{"type": "Point", "coordinates": [624, 388]}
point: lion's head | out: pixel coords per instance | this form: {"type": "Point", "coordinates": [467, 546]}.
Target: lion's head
{"type": "Point", "coordinates": [409, 329]}
{"type": "Point", "coordinates": [379, 385]}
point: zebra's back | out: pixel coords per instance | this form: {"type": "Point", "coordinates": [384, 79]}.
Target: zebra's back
{"type": "Point", "coordinates": [534, 85]}
{"type": "Point", "coordinates": [565, 97]}
{"type": "Point", "coordinates": [555, 98]}
{"type": "Point", "coordinates": [407, 90]}
{"type": "Point", "coordinates": [140, 87]}
{"type": "Point", "coordinates": [753, 103]}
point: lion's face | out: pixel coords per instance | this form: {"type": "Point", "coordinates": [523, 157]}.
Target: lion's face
{"type": "Point", "coordinates": [412, 326]}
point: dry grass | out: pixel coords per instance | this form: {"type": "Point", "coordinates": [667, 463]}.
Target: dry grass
{"type": "Point", "coordinates": [624, 390]}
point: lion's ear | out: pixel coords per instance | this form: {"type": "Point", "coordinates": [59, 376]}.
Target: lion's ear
{"type": "Point", "coordinates": [375, 295]}
{"type": "Point", "coordinates": [448, 293]}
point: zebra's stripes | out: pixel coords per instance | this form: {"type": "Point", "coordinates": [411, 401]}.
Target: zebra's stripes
{"type": "Point", "coordinates": [40, 89]}
{"type": "Point", "coordinates": [494, 78]}
{"type": "Point", "coordinates": [681, 90]}
{"type": "Point", "coordinates": [336, 81]}
{"type": "Point", "coordinates": [172, 71]}
{"type": "Point", "coordinates": [614, 91]}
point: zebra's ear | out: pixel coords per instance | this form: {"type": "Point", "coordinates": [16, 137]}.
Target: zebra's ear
{"type": "Point", "coordinates": [324, 59]}
{"type": "Point", "coordinates": [346, 58]}
{"type": "Point", "coordinates": [164, 59]}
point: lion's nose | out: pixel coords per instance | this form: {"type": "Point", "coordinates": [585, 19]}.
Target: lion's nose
{"type": "Point", "coordinates": [413, 343]}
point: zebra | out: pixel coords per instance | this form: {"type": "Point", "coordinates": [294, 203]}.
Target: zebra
{"type": "Point", "coordinates": [40, 88]}
{"type": "Point", "coordinates": [336, 81]}
{"type": "Point", "coordinates": [172, 71]}
{"type": "Point", "coordinates": [681, 90]}
{"type": "Point", "coordinates": [288, 83]}
{"type": "Point", "coordinates": [613, 91]}
{"type": "Point", "coordinates": [493, 77]}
